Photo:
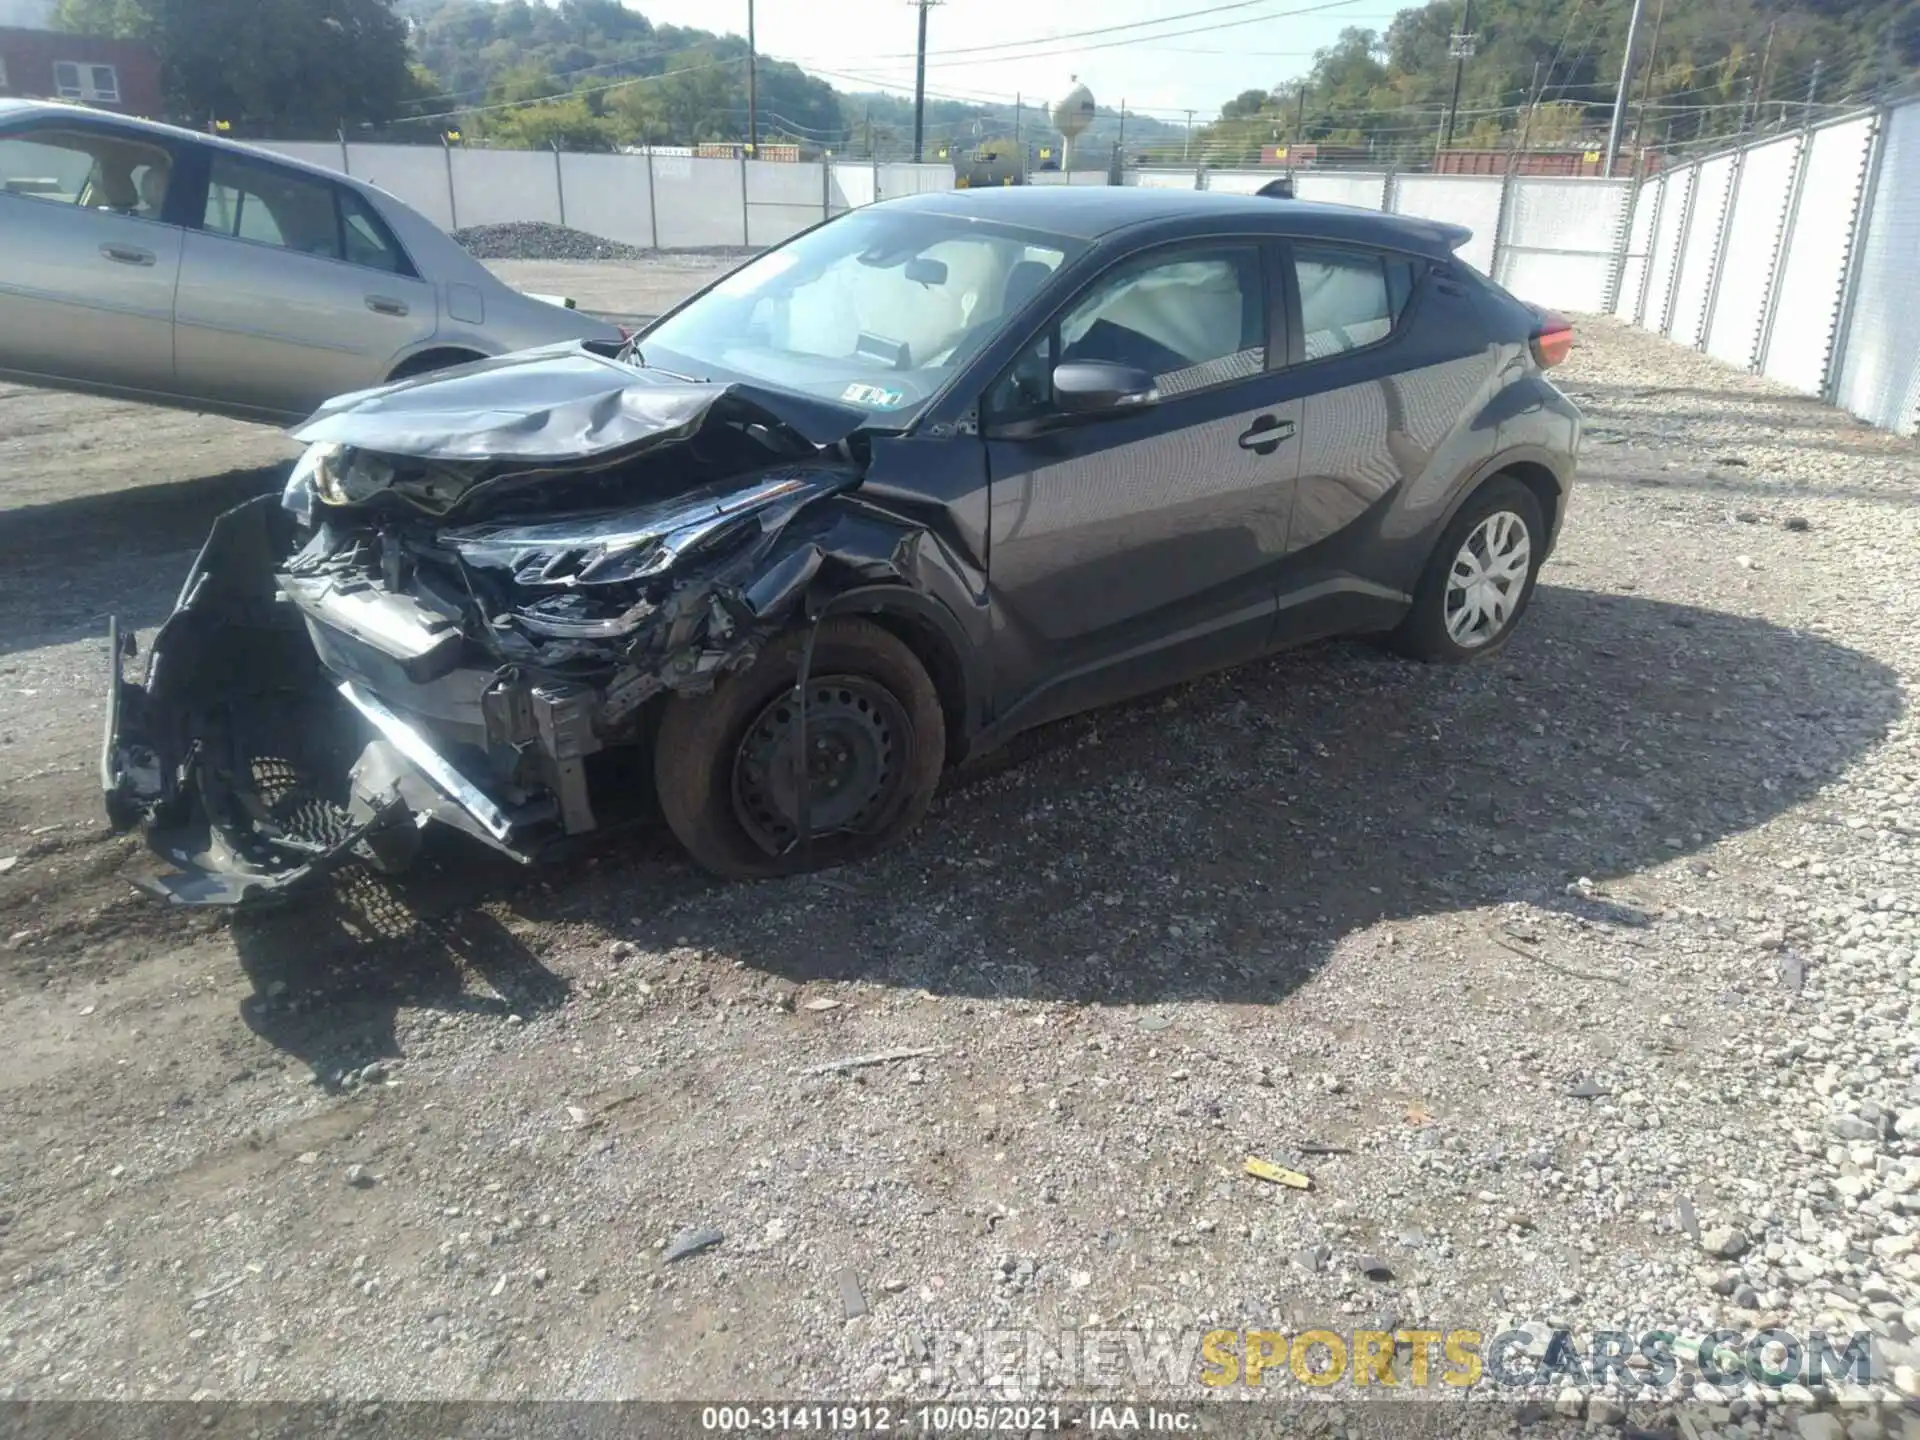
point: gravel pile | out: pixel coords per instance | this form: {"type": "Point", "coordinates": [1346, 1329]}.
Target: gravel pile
{"type": "Point", "coordinates": [533, 240]}
{"type": "Point", "coordinates": [1582, 985]}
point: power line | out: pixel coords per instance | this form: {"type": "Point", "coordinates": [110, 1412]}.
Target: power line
{"type": "Point", "coordinates": [959, 58]}
{"type": "Point", "coordinates": [571, 94]}
{"type": "Point", "coordinates": [1025, 42]}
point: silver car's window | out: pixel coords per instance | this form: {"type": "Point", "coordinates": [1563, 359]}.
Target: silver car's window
{"type": "Point", "coordinates": [368, 241]}
{"type": "Point", "coordinates": [88, 169]}
{"type": "Point", "coordinates": [272, 207]}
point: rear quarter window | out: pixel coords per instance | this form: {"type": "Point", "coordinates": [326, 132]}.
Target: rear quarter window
{"type": "Point", "coordinates": [1350, 298]}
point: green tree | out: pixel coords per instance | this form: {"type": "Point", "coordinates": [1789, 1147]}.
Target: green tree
{"type": "Point", "coordinates": [285, 68]}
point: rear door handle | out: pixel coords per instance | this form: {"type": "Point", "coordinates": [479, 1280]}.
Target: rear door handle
{"type": "Point", "coordinates": [385, 305]}
{"type": "Point", "coordinates": [1265, 435]}
{"type": "Point", "coordinates": [127, 254]}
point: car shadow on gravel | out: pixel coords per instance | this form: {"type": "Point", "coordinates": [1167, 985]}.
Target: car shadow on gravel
{"type": "Point", "coordinates": [1213, 843]}
{"type": "Point", "coordinates": [331, 975]}
{"type": "Point", "coordinates": [1217, 842]}
{"type": "Point", "coordinates": [66, 566]}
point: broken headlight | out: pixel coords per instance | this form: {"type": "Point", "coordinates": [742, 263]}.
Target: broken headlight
{"type": "Point", "coordinates": [336, 475]}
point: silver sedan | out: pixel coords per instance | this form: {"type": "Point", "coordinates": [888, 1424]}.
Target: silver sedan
{"type": "Point", "coordinates": [157, 264]}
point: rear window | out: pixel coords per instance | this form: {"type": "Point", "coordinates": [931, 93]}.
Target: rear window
{"type": "Point", "coordinates": [1349, 298]}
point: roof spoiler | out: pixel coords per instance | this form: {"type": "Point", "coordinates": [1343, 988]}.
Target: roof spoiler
{"type": "Point", "coordinates": [1454, 235]}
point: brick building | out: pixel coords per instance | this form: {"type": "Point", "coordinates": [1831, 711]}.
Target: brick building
{"type": "Point", "coordinates": [122, 76]}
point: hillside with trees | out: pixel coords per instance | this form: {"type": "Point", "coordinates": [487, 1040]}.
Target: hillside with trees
{"type": "Point", "coordinates": [609, 76]}
{"type": "Point", "coordinates": [1546, 70]}
{"type": "Point", "coordinates": [582, 74]}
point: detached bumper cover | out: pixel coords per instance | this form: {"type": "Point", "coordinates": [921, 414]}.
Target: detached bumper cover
{"type": "Point", "coordinates": [256, 773]}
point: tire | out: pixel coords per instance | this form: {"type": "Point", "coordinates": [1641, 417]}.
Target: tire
{"type": "Point", "coordinates": [722, 763]}
{"type": "Point", "coordinates": [1425, 633]}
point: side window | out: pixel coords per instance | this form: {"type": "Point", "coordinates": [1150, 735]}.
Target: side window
{"type": "Point", "coordinates": [368, 240]}
{"type": "Point", "coordinates": [272, 207]}
{"type": "Point", "coordinates": [1349, 298]}
{"type": "Point", "coordinates": [1190, 318]}
{"type": "Point", "coordinates": [93, 171]}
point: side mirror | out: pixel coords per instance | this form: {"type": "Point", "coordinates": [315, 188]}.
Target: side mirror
{"type": "Point", "coordinates": [1097, 387]}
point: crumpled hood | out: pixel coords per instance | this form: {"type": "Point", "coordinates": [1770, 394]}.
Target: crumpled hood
{"type": "Point", "coordinates": [559, 403]}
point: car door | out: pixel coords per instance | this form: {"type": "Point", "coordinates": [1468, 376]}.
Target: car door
{"type": "Point", "coordinates": [88, 258]}
{"type": "Point", "coordinates": [1396, 369]}
{"type": "Point", "coordinates": [1131, 549]}
{"type": "Point", "coordinates": [292, 290]}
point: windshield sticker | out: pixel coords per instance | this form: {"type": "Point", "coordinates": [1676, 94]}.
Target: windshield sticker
{"type": "Point", "coordinates": [873, 396]}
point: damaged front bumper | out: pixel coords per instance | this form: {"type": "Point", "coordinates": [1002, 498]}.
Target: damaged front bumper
{"type": "Point", "coordinates": [255, 770]}
{"type": "Point", "coordinates": [334, 678]}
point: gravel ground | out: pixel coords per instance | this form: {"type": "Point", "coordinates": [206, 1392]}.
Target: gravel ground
{"type": "Point", "coordinates": [1582, 985]}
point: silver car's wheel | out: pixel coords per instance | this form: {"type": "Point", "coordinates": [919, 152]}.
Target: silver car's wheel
{"type": "Point", "coordinates": [1488, 579]}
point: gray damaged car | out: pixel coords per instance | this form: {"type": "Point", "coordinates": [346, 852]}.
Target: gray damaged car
{"type": "Point", "coordinates": [928, 475]}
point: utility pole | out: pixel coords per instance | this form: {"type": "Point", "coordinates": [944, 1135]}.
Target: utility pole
{"type": "Point", "coordinates": [1533, 104]}
{"type": "Point", "coordinates": [753, 89]}
{"type": "Point", "coordinates": [1460, 47]}
{"type": "Point", "coordinates": [1300, 115]}
{"type": "Point", "coordinates": [920, 80]}
{"type": "Point", "coordinates": [1121, 143]}
{"type": "Point", "coordinates": [1813, 90]}
{"type": "Point", "coordinates": [1646, 82]}
{"type": "Point", "coordinates": [1620, 94]}
{"type": "Point", "coordinates": [869, 128]}
{"type": "Point", "coordinates": [1186, 145]}
{"type": "Point", "coordinates": [1757, 90]}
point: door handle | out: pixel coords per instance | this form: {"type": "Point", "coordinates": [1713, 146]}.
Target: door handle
{"type": "Point", "coordinates": [127, 254]}
{"type": "Point", "coordinates": [1265, 435]}
{"type": "Point", "coordinates": [386, 306]}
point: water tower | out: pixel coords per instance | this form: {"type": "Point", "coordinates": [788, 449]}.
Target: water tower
{"type": "Point", "coordinates": [1072, 115]}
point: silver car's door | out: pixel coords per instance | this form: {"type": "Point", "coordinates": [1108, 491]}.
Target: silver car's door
{"type": "Point", "coordinates": [292, 290]}
{"type": "Point", "coordinates": [88, 262]}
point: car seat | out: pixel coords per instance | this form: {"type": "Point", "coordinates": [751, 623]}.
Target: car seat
{"type": "Point", "coordinates": [115, 190]}
{"type": "Point", "coordinates": [153, 191]}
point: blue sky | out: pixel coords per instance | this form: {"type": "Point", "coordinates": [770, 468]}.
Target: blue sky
{"type": "Point", "coordinates": [868, 44]}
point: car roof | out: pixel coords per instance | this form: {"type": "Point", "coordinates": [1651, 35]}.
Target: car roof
{"type": "Point", "coordinates": [1091, 212]}
{"type": "Point", "coordinates": [57, 109]}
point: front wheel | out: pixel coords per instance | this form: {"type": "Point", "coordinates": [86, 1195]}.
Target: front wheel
{"type": "Point", "coordinates": [1479, 578]}
{"type": "Point", "coordinates": [725, 762]}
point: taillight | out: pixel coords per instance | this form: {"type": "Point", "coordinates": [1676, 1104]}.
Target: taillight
{"type": "Point", "coordinates": [1552, 340]}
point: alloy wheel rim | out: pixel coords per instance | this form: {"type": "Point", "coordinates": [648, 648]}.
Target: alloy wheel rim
{"type": "Point", "coordinates": [1487, 580]}
{"type": "Point", "coordinates": [857, 735]}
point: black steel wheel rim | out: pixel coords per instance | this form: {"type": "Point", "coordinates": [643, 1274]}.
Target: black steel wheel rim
{"type": "Point", "coordinates": [858, 738]}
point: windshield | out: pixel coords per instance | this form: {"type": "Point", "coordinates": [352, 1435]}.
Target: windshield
{"type": "Point", "coordinates": [876, 309]}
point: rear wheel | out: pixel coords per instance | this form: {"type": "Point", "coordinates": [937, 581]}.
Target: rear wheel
{"type": "Point", "coordinates": [429, 361]}
{"type": "Point", "coordinates": [875, 740]}
{"type": "Point", "coordinates": [1479, 578]}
